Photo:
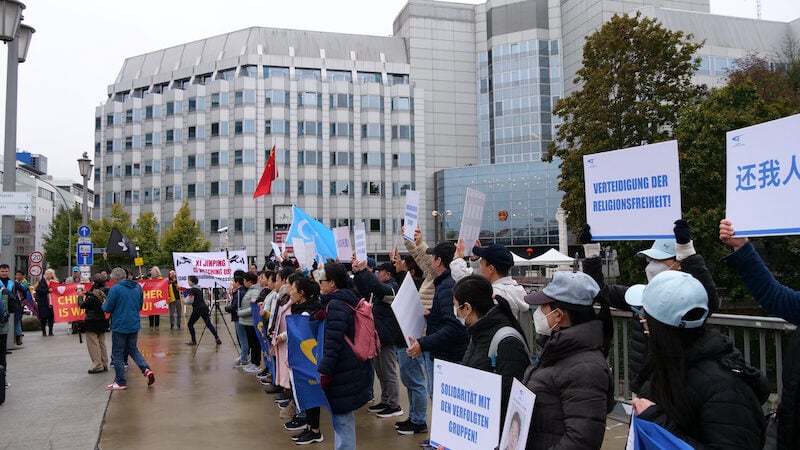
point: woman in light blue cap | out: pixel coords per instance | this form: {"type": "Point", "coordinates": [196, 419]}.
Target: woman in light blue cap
{"type": "Point", "coordinates": [695, 384]}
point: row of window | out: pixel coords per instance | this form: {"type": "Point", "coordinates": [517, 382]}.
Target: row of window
{"type": "Point", "coordinates": [251, 71]}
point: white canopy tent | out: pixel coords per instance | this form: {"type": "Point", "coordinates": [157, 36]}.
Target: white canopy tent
{"type": "Point", "coordinates": [551, 257]}
{"type": "Point", "coordinates": [520, 261]}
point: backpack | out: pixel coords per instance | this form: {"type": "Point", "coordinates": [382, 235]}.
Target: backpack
{"type": "Point", "coordinates": [499, 335]}
{"type": "Point", "coordinates": [366, 345]}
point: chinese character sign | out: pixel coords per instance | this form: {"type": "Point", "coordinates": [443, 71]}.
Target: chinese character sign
{"type": "Point", "coordinates": [763, 178]}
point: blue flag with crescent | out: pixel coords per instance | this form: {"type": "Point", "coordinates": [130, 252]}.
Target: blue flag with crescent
{"type": "Point", "coordinates": [261, 334]}
{"type": "Point", "coordinates": [305, 351]}
{"type": "Point", "coordinates": [650, 436]}
{"type": "Point", "coordinates": [310, 229]}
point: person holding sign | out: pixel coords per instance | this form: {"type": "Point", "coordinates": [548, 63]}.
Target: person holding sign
{"type": "Point", "coordinates": [96, 322]}
{"type": "Point", "coordinates": [44, 304]}
{"type": "Point", "coordinates": [697, 385]}
{"type": "Point", "coordinates": [497, 342]}
{"type": "Point", "coordinates": [571, 379]}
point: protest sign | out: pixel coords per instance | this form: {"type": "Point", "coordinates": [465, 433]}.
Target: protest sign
{"type": "Point", "coordinates": [65, 299]}
{"type": "Point", "coordinates": [360, 237]}
{"type": "Point", "coordinates": [763, 178]}
{"type": "Point", "coordinates": [633, 193]}
{"type": "Point", "coordinates": [518, 417]}
{"type": "Point", "coordinates": [471, 219]}
{"type": "Point", "coordinates": [465, 408]}
{"type": "Point", "coordinates": [344, 249]}
{"type": "Point", "coordinates": [408, 310]}
{"type": "Point", "coordinates": [212, 269]}
{"type": "Point", "coordinates": [411, 217]}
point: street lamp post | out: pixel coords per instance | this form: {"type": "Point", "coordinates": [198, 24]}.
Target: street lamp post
{"type": "Point", "coordinates": [85, 166]}
{"type": "Point", "coordinates": [18, 38]}
{"type": "Point", "coordinates": [69, 219]}
{"type": "Point", "coordinates": [440, 217]}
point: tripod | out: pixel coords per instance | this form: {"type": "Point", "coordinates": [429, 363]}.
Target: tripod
{"type": "Point", "coordinates": [217, 314]}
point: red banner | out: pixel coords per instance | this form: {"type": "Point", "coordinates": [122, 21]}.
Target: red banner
{"type": "Point", "coordinates": [65, 299]}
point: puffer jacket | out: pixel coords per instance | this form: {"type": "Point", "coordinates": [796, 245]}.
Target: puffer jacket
{"type": "Point", "coordinates": [614, 295]}
{"type": "Point", "coordinates": [385, 322]}
{"type": "Point", "coordinates": [785, 302]}
{"type": "Point", "coordinates": [512, 356]}
{"type": "Point", "coordinates": [729, 413]}
{"type": "Point", "coordinates": [350, 378]}
{"type": "Point", "coordinates": [446, 338]}
{"type": "Point", "coordinates": [92, 303]}
{"type": "Point", "coordinates": [574, 390]}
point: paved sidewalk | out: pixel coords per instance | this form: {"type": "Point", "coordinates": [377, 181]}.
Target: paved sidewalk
{"type": "Point", "coordinates": [199, 402]}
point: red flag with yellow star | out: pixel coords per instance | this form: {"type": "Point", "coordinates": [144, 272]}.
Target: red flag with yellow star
{"type": "Point", "coordinates": [270, 174]}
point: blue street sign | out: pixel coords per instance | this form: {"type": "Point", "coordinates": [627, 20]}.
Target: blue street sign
{"type": "Point", "coordinates": [84, 231]}
{"type": "Point", "coordinates": [85, 255]}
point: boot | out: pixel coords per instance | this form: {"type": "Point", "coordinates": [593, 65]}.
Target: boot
{"type": "Point", "coordinates": [18, 340]}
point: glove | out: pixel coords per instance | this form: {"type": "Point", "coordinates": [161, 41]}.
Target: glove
{"type": "Point", "coordinates": [586, 234]}
{"type": "Point", "coordinates": [683, 234]}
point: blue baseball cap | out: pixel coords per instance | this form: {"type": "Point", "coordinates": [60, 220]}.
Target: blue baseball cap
{"type": "Point", "coordinates": [76, 269]}
{"type": "Point", "coordinates": [661, 249]}
{"type": "Point", "coordinates": [669, 297]}
{"type": "Point", "coordinates": [576, 288]}
{"type": "Point", "coordinates": [372, 263]}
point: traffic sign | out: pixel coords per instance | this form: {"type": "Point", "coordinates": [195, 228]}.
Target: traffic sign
{"type": "Point", "coordinates": [36, 257]}
{"type": "Point", "coordinates": [35, 270]}
{"type": "Point", "coordinates": [85, 254]}
{"type": "Point", "coordinates": [15, 203]}
{"type": "Point", "coordinates": [84, 231]}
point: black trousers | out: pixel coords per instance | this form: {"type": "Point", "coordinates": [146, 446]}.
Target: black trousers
{"type": "Point", "coordinates": [193, 319]}
{"type": "Point", "coordinates": [255, 347]}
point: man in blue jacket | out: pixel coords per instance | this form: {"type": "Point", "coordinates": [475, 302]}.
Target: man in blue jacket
{"type": "Point", "coordinates": [124, 302]}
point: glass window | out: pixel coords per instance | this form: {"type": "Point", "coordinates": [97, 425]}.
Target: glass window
{"type": "Point", "coordinates": [128, 115]}
{"type": "Point", "coordinates": [394, 78]}
{"type": "Point", "coordinates": [401, 104]}
{"type": "Point", "coordinates": [249, 70]}
{"type": "Point", "coordinates": [98, 122]}
{"type": "Point", "coordinates": [372, 102]}
{"type": "Point", "coordinates": [368, 77]}
{"type": "Point", "coordinates": [148, 112]}
{"type": "Point", "coordinates": [238, 127]}
{"type": "Point", "coordinates": [307, 74]}
{"type": "Point", "coordinates": [249, 126]}
{"type": "Point", "coordinates": [276, 72]}
{"type": "Point", "coordinates": [277, 96]}
{"type": "Point", "coordinates": [192, 133]}
{"type": "Point", "coordinates": [375, 225]}
{"type": "Point", "coordinates": [339, 75]}
{"type": "Point", "coordinates": [226, 74]}
{"type": "Point", "coordinates": [310, 99]}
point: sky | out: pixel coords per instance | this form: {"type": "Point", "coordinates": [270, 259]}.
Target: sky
{"type": "Point", "coordinates": [79, 47]}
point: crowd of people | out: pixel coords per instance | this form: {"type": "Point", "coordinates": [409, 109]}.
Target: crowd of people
{"type": "Point", "coordinates": [685, 376]}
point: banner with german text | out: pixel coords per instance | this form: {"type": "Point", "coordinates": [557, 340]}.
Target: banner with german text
{"type": "Point", "coordinates": [65, 299]}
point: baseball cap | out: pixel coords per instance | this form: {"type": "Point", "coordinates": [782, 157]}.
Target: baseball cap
{"type": "Point", "coordinates": [576, 288]}
{"type": "Point", "coordinates": [497, 255]}
{"type": "Point", "coordinates": [76, 269]}
{"type": "Point", "coordinates": [661, 249]}
{"type": "Point", "coordinates": [669, 296]}
{"type": "Point", "coordinates": [388, 267]}
{"type": "Point", "coordinates": [444, 249]}
{"type": "Point", "coordinates": [372, 263]}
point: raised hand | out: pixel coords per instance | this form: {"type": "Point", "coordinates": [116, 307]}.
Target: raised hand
{"type": "Point", "coordinates": [726, 235]}
{"type": "Point", "coordinates": [586, 234]}
{"type": "Point", "coordinates": [683, 234]}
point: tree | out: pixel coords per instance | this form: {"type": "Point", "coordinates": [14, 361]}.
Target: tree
{"type": "Point", "coordinates": [184, 235]}
{"type": "Point", "coordinates": [148, 241]}
{"type": "Point", "coordinates": [56, 242]}
{"type": "Point", "coordinates": [789, 58]}
{"type": "Point", "coordinates": [101, 231]}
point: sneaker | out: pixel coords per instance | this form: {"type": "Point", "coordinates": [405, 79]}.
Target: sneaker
{"type": "Point", "coordinates": [377, 408]}
{"type": "Point", "coordinates": [284, 403]}
{"type": "Point", "coordinates": [116, 387]}
{"type": "Point", "coordinates": [297, 423]}
{"type": "Point", "coordinates": [300, 434]}
{"type": "Point", "coordinates": [426, 444]}
{"type": "Point", "coordinates": [283, 396]}
{"type": "Point", "coordinates": [252, 368]}
{"type": "Point", "coordinates": [264, 375]}
{"type": "Point", "coordinates": [403, 423]}
{"type": "Point", "coordinates": [272, 389]}
{"type": "Point", "coordinates": [218, 341]}
{"type": "Point", "coordinates": [390, 412]}
{"type": "Point", "coordinates": [309, 438]}
{"type": "Point", "coordinates": [191, 343]}
{"type": "Point", "coordinates": [412, 428]}
{"type": "Point", "coordinates": [239, 364]}
{"type": "Point", "coordinates": [151, 377]}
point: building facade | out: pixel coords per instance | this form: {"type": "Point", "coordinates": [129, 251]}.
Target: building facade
{"type": "Point", "coordinates": [461, 96]}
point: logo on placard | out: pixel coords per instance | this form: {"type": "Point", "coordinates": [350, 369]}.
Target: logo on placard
{"type": "Point", "coordinates": [439, 369]}
{"type": "Point", "coordinates": [591, 163]}
{"type": "Point", "coordinates": [183, 260]}
{"type": "Point", "coordinates": [236, 259]}
{"type": "Point", "coordinates": [737, 140]}
{"type": "Point", "coordinates": [61, 289]}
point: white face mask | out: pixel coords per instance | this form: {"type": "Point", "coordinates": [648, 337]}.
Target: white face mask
{"type": "Point", "coordinates": [460, 319]}
{"type": "Point", "coordinates": [654, 268]}
{"type": "Point", "coordinates": [540, 322]}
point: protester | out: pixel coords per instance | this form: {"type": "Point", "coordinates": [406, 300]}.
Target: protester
{"type": "Point", "coordinates": [13, 303]}
{"type": "Point", "coordinates": [245, 314]}
{"type": "Point", "coordinates": [75, 277]}
{"type": "Point", "coordinates": [237, 294]}
{"type": "Point", "coordinates": [266, 378]}
{"type": "Point", "coordinates": [696, 385]}
{"type": "Point", "coordinates": [280, 345]}
{"type": "Point", "coordinates": [96, 323]}
{"type": "Point", "coordinates": [664, 254]}
{"type": "Point", "coordinates": [44, 304]}
{"type": "Point", "coordinates": [277, 325]}
{"type": "Point", "coordinates": [485, 317]}
{"type": "Point", "coordinates": [24, 295]}
{"type": "Point", "coordinates": [777, 299]}
{"type": "Point", "coordinates": [175, 306]}
{"type": "Point", "coordinates": [571, 379]}
{"type": "Point", "coordinates": [124, 302]}
{"type": "Point", "coordinates": [194, 297]}
{"type": "Point", "coordinates": [154, 319]}
{"type": "Point", "coordinates": [344, 378]}
{"type": "Point", "coordinates": [6, 292]}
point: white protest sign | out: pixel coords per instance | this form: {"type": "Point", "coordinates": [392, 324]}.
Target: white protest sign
{"type": "Point", "coordinates": [277, 250]}
{"type": "Point", "coordinates": [408, 310]}
{"type": "Point", "coordinates": [763, 178]}
{"type": "Point", "coordinates": [360, 237]}
{"type": "Point", "coordinates": [471, 220]}
{"type": "Point", "coordinates": [518, 417]}
{"type": "Point", "coordinates": [411, 218]}
{"type": "Point", "coordinates": [634, 193]}
{"type": "Point", "coordinates": [212, 269]}
{"type": "Point", "coordinates": [344, 249]}
{"type": "Point", "coordinates": [300, 252]}
{"type": "Point", "coordinates": [466, 407]}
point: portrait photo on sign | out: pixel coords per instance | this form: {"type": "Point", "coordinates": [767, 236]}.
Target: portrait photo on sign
{"type": "Point", "coordinates": [518, 417]}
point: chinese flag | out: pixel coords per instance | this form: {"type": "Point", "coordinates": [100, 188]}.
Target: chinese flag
{"type": "Point", "coordinates": [270, 173]}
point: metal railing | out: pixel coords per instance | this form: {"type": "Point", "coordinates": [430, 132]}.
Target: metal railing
{"type": "Point", "coordinates": [759, 338]}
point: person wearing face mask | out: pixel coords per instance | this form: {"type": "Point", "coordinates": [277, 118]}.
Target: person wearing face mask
{"type": "Point", "coordinates": [484, 317]}
{"type": "Point", "coordinates": [665, 254]}
{"type": "Point", "coordinates": [571, 379]}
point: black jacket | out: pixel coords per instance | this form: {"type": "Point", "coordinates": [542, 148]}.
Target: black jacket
{"type": "Point", "coordinates": [574, 390]}
{"type": "Point", "coordinates": [512, 356]}
{"type": "Point", "coordinates": [371, 288]}
{"type": "Point", "coordinates": [92, 303]}
{"type": "Point", "coordinates": [348, 389]}
{"type": "Point", "coordinates": [236, 301]}
{"type": "Point", "coordinates": [729, 413]}
{"type": "Point", "coordinates": [614, 294]}
{"type": "Point", "coordinates": [446, 338]}
{"type": "Point", "coordinates": [199, 305]}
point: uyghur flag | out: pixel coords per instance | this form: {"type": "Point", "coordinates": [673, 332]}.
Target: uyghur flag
{"type": "Point", "coordinates": [308, 229]}
{"type": "Point", "coordinates": [305, 339]}
{"type": "Point", "coordinates": [650, 436]}
{"type": "Point", "coordinates": [270, 174]}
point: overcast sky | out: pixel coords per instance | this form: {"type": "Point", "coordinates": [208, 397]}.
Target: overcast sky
{"type": "Point", "coordinates": [79, 47]}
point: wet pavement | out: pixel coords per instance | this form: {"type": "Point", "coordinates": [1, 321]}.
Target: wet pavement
{"type": "Point", "coordinates": [197, 401]}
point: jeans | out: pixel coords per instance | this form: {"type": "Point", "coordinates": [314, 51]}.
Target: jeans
{"type": "Point", "coordinates": [18, 323]}
{"type": "Point", "coordinates": [125, 344]}
{"type": "Point", "coordinates": [428, 363]}
{"type": "Point", "coordinates": [344, 426]}
{"type": "Point", "coordinates": [386, 370]}
{"type": "Point", "coordinates": [412, 374]}
{"type": "Point", "coordinates": [175, 312]}
{"type": "Point", "coordinates": [241, 334]}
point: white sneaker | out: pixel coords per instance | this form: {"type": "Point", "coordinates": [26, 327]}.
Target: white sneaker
{"type": "Point", "coordinates": [251, 368]}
